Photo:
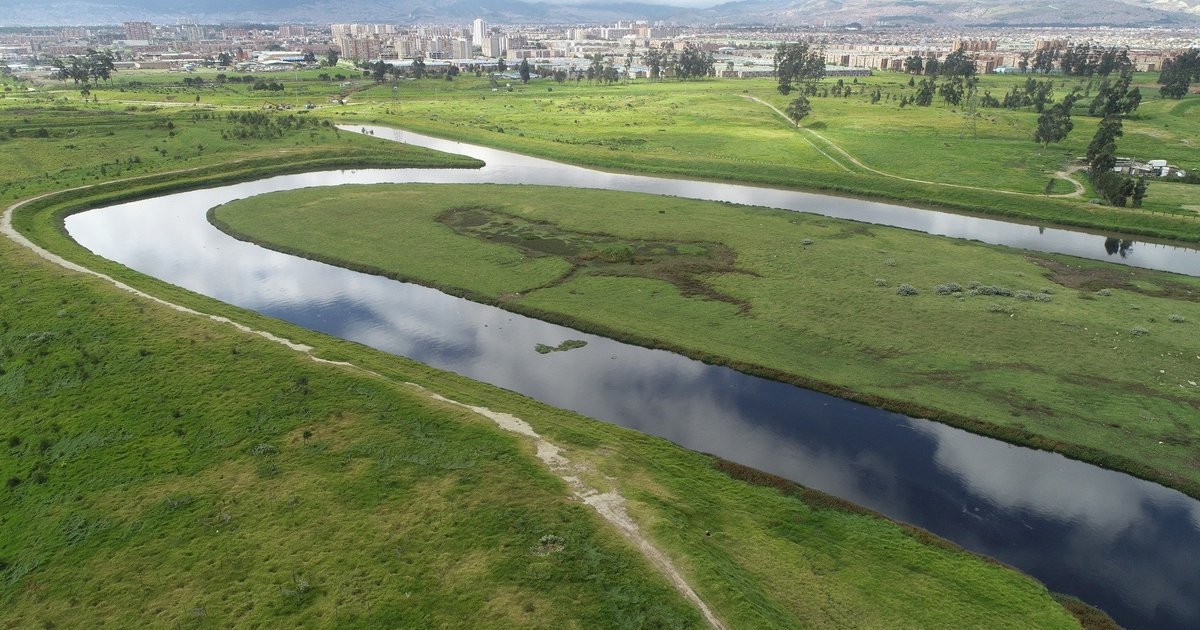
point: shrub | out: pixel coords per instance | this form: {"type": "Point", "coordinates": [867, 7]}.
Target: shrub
{"type": "Point", "coordinates": [984, 289]}
{"type": "Point", "coordinates": [1000, 308]}
{"type": "Point", "coordinates": [906, 289]}
{"type": "Point", "coordinates": [1176, 318]}
{"type": "Point", "coordinates": [890, 262]}
{"type": "Point", "coordinates": [1041, 297]}
{"type": "Point", "coordinates": [1138, 331]}
{"type": "Point", "coordinates": [1104, 292]}
{"type": "Point", "coordinates": [1023, 295]}
{"type": "Point", "coordinates": [807, 241]}
{"type": "Point", "coordinates": [948, 288]}
{"type": "Point", "coordinates": [881, 282]}
{"type": "Point", "coordinates": [263, 449]}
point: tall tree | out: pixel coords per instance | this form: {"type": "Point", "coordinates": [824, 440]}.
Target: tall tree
{"type": "Point", "coordinates": [799, 108]}
{"type": "Point", "coordinates": [523, 69]}
{"type": "Point", "coordinates": [914, 64]}
{"type": "Point", "coordinates": [1178, 73]}
{"type": "Point", "coordinates": [1055, 123]}
{"type": "Point", "coordinates": [798, 63]}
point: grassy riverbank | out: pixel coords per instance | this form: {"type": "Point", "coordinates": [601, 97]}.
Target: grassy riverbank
{"type": "Point", "coordinates": [164, 469]}
{"type": "Point", "coordinates": [714, 130]}
{"type": "Point", "coordinates": [1090, 359]}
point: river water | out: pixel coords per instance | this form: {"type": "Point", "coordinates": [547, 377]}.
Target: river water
{"type": "Point", "coordinates": [1128, 546]}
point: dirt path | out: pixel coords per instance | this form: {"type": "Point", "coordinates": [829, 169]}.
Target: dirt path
{"type": "Point", "coordinates": [853, 160]}
{"type": "Point", "coordinates": [610, 505]}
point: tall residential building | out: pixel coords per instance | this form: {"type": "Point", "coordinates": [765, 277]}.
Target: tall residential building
{"type": "Point", "coordinates": [139, 30]}
{"type": "Point", "coordinates": [478, 32]}
{"type": "Point", "coordinates": [289, 31]}
{"type": "Point", "coordinates": [494, 45]}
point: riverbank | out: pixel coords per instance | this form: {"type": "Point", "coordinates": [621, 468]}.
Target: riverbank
{"type": "Point", "coordinates": [709, 130]}
{"type": "Point", "coordinates": [236, 439]}
{"type": "Point", "coordinates": [810, 300]}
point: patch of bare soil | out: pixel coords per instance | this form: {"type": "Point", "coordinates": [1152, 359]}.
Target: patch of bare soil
{"type": "Point", "coordinates": [1095, 278]}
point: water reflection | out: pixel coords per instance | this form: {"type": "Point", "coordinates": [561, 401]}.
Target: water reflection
{"type": "Point", "coordinates": [1117, 246]}
{"type": "Point", "coordinates": [1126, 545]}
{"type": "Point", "coordinates": [506, 167]}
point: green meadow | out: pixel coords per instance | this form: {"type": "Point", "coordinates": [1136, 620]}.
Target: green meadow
{"type": "Point", "coordinates": [714, 130]}
{"type": "Point", "coordinates": [163, 469]}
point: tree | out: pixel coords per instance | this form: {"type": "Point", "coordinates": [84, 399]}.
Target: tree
{"type": "Point", "coordinates": [418, 67]}
{"type": "Point", "coordinates": [1055, 123]}
{"type": "Point", "coordinates": [798, 109]}
{"type": "Point", "coordinates": [1043, 60]}
{"type": "Point", "coordinates": [379, 71]}
{"type": "Point", "coordinates": [924, 95]}
{"type": "Point", "coordinates": [1116, 98]}
{"type": "Point", "coordinates": [501, 66]}
{"type": "Point", "coordinates": [1178, 73]}
{"type": "Point", "coordinates": [331, 57]}
{"type": "Point", "coordinates": [1139, 192]}
{"type": "Point", "coordinates": [224, 59]}
{"type": "Point", "coordinates": [914, 64]}
{"type": "Point", "coordinates": [310, 56]}
{"type": "Point", "coordinates": [654, 59]}
{"type": "Point", "coordinates": [797, 63]}
{"type": "Point", "coordinates": [524, 70]}
{"type": "Point", "coordinates": [958, 64]}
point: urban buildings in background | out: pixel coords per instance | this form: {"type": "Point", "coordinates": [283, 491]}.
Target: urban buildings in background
{"type": "Point", "coordinates": [743, 52]}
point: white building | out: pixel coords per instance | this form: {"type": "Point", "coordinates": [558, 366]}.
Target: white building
{"type": "Point", "coordinates": [478, 32]}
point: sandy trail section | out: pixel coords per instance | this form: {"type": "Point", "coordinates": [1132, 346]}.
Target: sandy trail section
{"type": "Point", "coordinates": [610, 505]}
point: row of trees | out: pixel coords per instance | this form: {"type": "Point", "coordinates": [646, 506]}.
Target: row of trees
{"type": "Point", "coordinates": [93, 67]}
{"type": "Point", "coordinates": [1178, 73]}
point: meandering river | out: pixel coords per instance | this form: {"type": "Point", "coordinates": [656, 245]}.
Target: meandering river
{"type": "Point", "coordinates": [1128, 546]}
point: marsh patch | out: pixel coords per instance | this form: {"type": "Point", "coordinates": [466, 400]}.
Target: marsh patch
{"type": "Point", "coordinates": [681, 263]}
{"type": "Point", "coordinates": [1093, 279]}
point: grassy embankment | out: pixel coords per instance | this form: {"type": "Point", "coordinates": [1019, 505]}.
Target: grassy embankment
{"type": "Point", "coordinates": [1058, 363]}
{"type": "Point", "coordinates": [164, 469]}
{"type": "Point", "coordinates": [708, 130]}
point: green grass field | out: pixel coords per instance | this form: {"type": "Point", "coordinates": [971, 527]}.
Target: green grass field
{"type": "Point", "coordinates": [162, 469]}
{"type": "Point", "coordinates": [813, 300]}
{"type": "Point", "coordinates": [709, 129]}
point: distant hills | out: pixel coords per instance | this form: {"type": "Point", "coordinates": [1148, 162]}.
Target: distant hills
{"type": "Point", "coordinates": [739, 12]}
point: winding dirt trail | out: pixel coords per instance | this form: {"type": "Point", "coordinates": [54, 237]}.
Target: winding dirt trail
{"type": "Point", "coordinates": [610, 504]}
{"type": "Point", "coordinates": [855, 161]}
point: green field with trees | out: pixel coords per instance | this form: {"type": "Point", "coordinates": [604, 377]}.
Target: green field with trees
{"type": "Point", "coordinates": [284, 491]}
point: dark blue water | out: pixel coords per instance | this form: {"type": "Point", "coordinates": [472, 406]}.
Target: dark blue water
{"type": "Point", "coordinates": [1127, 546]}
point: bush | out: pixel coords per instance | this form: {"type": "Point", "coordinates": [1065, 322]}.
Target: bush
{"type": "Point", "coordinates": [1176, 318]}
{"type": "Point", "coordinates": [881, 282]}
{"type": "Point", "coordinates": [948, 288]}
{"type": "Point", "coordinates": [984, 289]}
{"type": "Point", "coordinates": [1023, 295]}
{"type": "Point", "coordinates": [263, 449]}
{"type": "Point", "coordinates": [1138, 331]}
{"type": "Point", "coordinates": [1041, 297]}
{"type": "Point", "coordinates": [1104, 292]}
{"type": "Point", "coordinates": [906, 289]}
{"type": "Point", "coordinates": [1000, 308]}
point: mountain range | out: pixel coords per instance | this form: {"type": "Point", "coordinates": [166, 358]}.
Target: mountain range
{"type": "Point", "coordinates": [1180, 13]}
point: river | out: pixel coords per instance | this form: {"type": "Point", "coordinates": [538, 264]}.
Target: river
{"type": "Point", "coordinates": [1128, 546]}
